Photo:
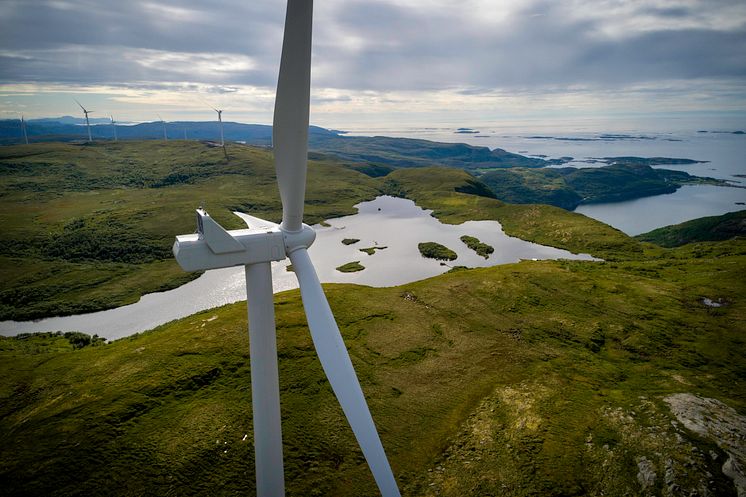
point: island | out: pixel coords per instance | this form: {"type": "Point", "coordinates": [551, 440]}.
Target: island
{"type": "Point", "coordinates": [433, 250]}
{"type": "Point", "coordinates": [477, 246]}
{"type": "Point", "coordinates": [351, 267]}
{"type": "Point", "coordinates": [372, 250]}
{"type": "Point", "coordinates": [350, 241]}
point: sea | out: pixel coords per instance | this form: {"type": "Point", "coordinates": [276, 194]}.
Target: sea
{"type": "Point", "coordinates": [722, 150]}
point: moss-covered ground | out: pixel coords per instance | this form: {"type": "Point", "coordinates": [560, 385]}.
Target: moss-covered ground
{"type": "Point", "coordinates": [510, 380]}
{"type": "Point", "coordinates": [536, 378]}
{"type": "Point", "coordinates": [88, 227]}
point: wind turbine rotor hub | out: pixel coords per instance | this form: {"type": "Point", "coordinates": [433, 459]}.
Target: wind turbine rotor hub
{"type": "Point", "coordinates": [299, 239]}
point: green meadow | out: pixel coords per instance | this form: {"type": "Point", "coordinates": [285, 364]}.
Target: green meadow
{"type": "Point", "coordinates": [526, 379]}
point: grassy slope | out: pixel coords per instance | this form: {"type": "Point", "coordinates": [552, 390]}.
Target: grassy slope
{"type": "Point", "coordinates": [436, 189]}
{"type": "Point", "coordinates": [570, 187]}
{"type": "Point", "coordinates": [87, 227]}
{"type": "Point", "coordinates": [712, 228]}
{"type": "Point", "coordinates": [506, 380]}
{"type": "Point", "coordinates": [538, 378]}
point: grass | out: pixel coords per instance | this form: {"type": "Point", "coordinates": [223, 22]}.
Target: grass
{"type": "Point", "coordinates": [569, 187]}
{"type": "Point", "coordinates": [541, 378]}
{"type": "Point", "coordinates": [439, 189]}
{"type": "Point", "coordinates": [90, 227]}
{"type": "Point", "coordinates": [704, 229]}
{"type": "Point", "coordinates": [480, 248]}
{"type": "Point", "coordinates": [433, 250]}
{"type": "Point", "coordinates": [351, 267]}
{"type": "Point", "coordinates": [536, 378]}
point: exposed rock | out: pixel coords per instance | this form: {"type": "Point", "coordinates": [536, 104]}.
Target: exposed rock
{"type": "Point", "coordinates": [712, 419]}
{"type": "Point", "coordinates": [645, 472]}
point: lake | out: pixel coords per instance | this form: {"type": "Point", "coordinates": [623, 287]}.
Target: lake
{"type": "Point", "coordinates": [394, 223]}
{"type": "Point", "coordinates": [725, 153]}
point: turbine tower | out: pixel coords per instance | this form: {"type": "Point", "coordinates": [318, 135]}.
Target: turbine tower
{"type": "Point", "coordinates": [165, 135]}
{"type": "Point", "coordinates": [263, 242]}
{"type": "Point", "coordinates": [23, 128]}
{"type": "Point", "coordinates": [87, 123]}
{"type": "Point", "coordinates": [220, 120]}
{"type": "Point", "coordinates": [114, 127]}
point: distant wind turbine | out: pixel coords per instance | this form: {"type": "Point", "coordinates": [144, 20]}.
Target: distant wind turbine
{"type": "Point", "coordinates": [114, 126]}
{"type": "Point", "coordinates": [165, 135]}
{"type": "Point", "coordinates": [87, 123]}
{"type": "Point", "coordinates": [23, 128]}
{"type": "Point", "coordinates": [220, 120]}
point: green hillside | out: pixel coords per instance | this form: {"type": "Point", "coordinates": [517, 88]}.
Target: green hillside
{"type": "Point", "coordinates": [705, 229]}
{"type": "Point", "coordinates": [569, 187]}
{"type": "Point", "coordinates": [89, 227]}
{"type": "Point", "coordinates": [538, 378]}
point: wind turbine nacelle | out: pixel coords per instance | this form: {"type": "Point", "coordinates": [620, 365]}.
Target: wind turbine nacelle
{"type": "Point", "coordinates": [213, 247]}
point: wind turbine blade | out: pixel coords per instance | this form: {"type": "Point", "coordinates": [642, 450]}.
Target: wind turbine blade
{"type": "Point", "coordinates": [79, 104]}
{"type": "Point", "coordinates": [290, 126]}
{"type": "Point", "coordinates": [338, 368]}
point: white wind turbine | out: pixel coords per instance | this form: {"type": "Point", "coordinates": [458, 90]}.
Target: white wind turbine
{"type": "Point", "coordinates": [23, 128]}
{"type": "Point", "coordinates": [213, 247]}
{"type": "Point", "coordinates": [114, 127]}
{"type": "Point", "coordinates": [220, 120]}
{"type": "Point", "coordinates": [87, 124]}
{"type": "Point", "coordinates": [165, 135]}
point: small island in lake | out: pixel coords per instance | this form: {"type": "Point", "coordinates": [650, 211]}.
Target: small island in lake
{"type": "Point", "coordinates": [372, 250]}
{"type": "Point", "coordinates": [477, 246]}
{"type": "Point", "coordinates": [350, 241]}
{"type": "Point", "coordinates": [351, 267]}
{"type": "Point", "coordinates": [433, 250]}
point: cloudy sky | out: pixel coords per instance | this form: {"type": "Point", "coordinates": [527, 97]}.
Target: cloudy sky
{"type": "Point", "coordinates": [377, 62]}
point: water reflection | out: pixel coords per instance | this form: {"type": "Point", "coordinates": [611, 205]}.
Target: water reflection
{"type": "Point", "coordinates": [394, 223]}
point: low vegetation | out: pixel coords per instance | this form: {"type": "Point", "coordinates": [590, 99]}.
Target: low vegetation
{"type": "Point", "coordinates": [350, 241]}
{"type": "Point", "coordinates": [433, 250]}
{"type": "Point", "coordinates": [480, 248]}
{"type": "Point", "coordinates": [537, 378]}
{"type": "Point", "coordinates": [540, 378]}
{"type": "Point", "coordinates": [725, 227]}
{"type": "Point", "coordinates": [439, 189]}
{"type": "Point", "coordinates": [89, 227]}
{"type": "Point", "coordinates": [351, 267]}
{"type": "Point", "coordinates": [569, 187]}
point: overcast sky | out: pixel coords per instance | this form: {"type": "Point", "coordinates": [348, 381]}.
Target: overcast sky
{"type": "Point", "coordinates": [376, 62]}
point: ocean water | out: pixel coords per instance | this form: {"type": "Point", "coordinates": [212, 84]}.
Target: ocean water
{"type": "Point", "coordinates": [723, 151]}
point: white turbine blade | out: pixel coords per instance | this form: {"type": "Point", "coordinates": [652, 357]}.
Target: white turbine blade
{"type": "Point", "coordinates": [255, 223]}
{"type": "Point", "coordinates": [338, 368]}
{"type": "Point", "coordinates": [290, 126]}
{"type": "Point", "coordinates": [79, 104]}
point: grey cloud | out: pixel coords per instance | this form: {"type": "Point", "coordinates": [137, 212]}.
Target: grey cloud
{"type": "Point", "coordinates": [395, 45]}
